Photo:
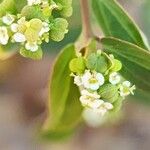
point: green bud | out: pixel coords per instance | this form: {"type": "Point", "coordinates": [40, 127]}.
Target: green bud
{"type": "Point", "coordinates": [117, 65]}
{"type": "Point", "coordinates": [109, 92]}
{"type": "Point", "coordinates": [77, 65]}
{"type": "Point", "coordinates": [33, 55]}
{"type": "Point", "coordinates": [31, 12]}
{"type": "Point", "coordinates": [58, 29]}
{"type": "Point", "coordinates": [98, 62]}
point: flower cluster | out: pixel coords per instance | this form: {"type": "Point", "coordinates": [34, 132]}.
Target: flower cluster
{"type": "Point", "coordinates": [34, 25]}
{"type": "Point", "coordinates": [29, 34]}
{"type": "Point", "coordinates": [99, 81]}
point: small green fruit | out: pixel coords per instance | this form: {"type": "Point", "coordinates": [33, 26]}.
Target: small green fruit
{"type": "Point", "coordinates": [117, 65]}
{"type": "Point", "coordinates": [31, 12]}
{"type": "Point", "coordinates": [98, 62]}
{"type": "Point", "coordinates": [109, 92]}
{"type": "Point", "coordinates": [58, 29]}
{"type": "Point", "coordinates": [77, 65]}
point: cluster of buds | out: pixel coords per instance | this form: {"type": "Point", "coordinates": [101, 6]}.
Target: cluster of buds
{"type": "Point", "coordinates": [35, 24]}
{"type": "Point", "coordinates": [99, 82]}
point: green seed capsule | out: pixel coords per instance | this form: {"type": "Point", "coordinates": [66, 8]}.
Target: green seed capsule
{"type": "Point", "coordinates": [31, 12]}
{"type": "Point", "coordinates": [98, 62]}
{"type": "Point", "coordinates": [77, 65]}
{"type": "Point", "coordinates": [109, 92]}
{"type": "Point", "coordinates": [58, 29]}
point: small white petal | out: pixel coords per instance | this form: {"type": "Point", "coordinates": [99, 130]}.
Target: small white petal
{"type": "Point", "coordinates": [126, 83]}
{"type": "Point", "coordinates": [108, 105]}
{"type": "Point", "coordinates": [8, 19]}
{"type": "Point", "coordinates": [77, 80]}
{"type": "Point", "coordinates": [114, 78]}
{"type": "Point", "coordinates": [3, 35]}
{"type": "Point", "coordinates": [14, 27]}
{"type": "Point", "coordinates": [34, 2]}
{"type": "Point", "coordinates": [19, 37]}
{"type": "Point", "coordinates": [94, 86]}
{"type": "Point", "coordinates": [96, 103]}
{"type": "Point", "coordinates": [100, 78]}
{"type": "Point", "coordinates": [92, 118]}
{"type": "Point", "coordinates": [31, 46]}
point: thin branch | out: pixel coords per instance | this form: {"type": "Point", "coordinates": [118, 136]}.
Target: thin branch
{"type": "Point", "coordinates": [86, 26]}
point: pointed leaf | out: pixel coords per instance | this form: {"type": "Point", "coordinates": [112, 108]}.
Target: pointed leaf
{"type": "Point", "coordinates": [64, 106]}
{"type": "Point", "coordinates": [135, 60]}
{"type": "Point", "coordinates": [114, 21]}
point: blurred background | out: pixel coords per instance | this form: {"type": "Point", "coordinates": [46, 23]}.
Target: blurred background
{"type": "Point", "coordinates": [23, 97]}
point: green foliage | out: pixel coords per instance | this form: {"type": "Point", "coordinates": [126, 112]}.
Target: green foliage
{"type": "Point", "coordinates": [136, 61]}
{"type": "Point", "coordinates": [37, 55]}
{"type": "Point", "coordinates": [7, 6]}
{"type": "Point", "coordinates": [58, 29]}
{"type": "Point", "coordinates": [64, 106]}
{"type": "Point", "coordinates": [114, 21]}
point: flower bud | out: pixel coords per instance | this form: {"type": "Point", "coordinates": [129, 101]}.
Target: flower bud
{"type": "Point", "coordinates": [109, 92]}
{"type": "Point", "coordinates": [116, 66]}
{"type": "Point", "coordinates": [98, 62]}
{"type": "Point", "coordinates": [77, 65]}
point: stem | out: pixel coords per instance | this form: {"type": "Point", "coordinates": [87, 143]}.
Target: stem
{"type": "Point", "coordinates": [86, 26]}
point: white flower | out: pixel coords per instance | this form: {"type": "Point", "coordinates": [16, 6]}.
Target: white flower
{"type": "Point", "coordinates": [91, 118]}
{"type": "Point", "coordinates": [44, 29]}
{"type": "Point", "coordinates": [114, 78]}
{"type": "Point", "coordinates": [103, 108]}
{"type": "Point", "coordinates": [19, 37]}
{"type": "Point", "coordinates": [87, 97]}
{"type": "Point", "coordinates": [77, 80]}
{"type": "Point", "coordinates": [3, 35]}
{"type": "Point", "coordinates": [8, 19]}
{"type": "Point", "coordinates": [95, 117]}
{"type": "Point", "coordinates": [34, 2]}
{"type": "Point", "coordinates": [92, 80]}
{"type": "Point", "coordinates": [14, 27]}
{"type": "Point", "coordinates": [31, 46]}
{"type": "Point", "coordinates": [126, 89]}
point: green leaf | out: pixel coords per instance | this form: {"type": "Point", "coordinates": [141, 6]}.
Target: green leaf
{"type": "Point", "coordinates": [33, 55]}
{"type": "Point", "coordinates": [7, 6]}
{"type": "Point", "coordinates": [135, 61]}
{"type": "Point", "coordinates": [8, 50]}
{"type": "Point", "coordinates": [19, 5]}
{"type": "Point", "coordinates": [114, 21]}
{"type": "Point", "coordinates": [64, 105]}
